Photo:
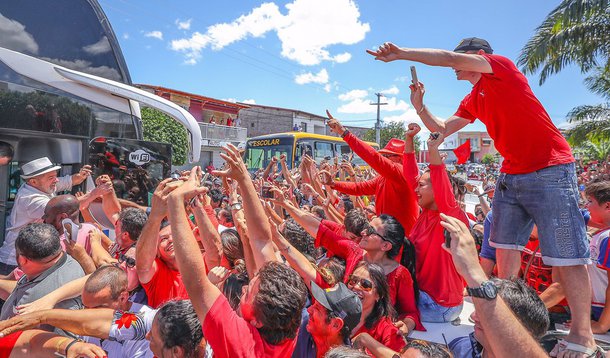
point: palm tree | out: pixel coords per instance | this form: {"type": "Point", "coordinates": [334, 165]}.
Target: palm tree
{"type": "Point", "coordinates": [576, 32]}
{"type": "Point", "coordinates": [593, 150]}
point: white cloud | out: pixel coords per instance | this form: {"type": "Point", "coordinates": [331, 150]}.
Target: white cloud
{"type": "Point", "coordinates": [391, 91]}
{"type": "Point", "coordinates": [353, 94]}
{"type": "Point", "coordinates": [394, 105]}
{"type": "Point", "coordinates": [102, 46]}
{"type": "Point", "coordinates": [155, 34]}
{"type": "Point", "coordinates": [306, 31]}
{"type": "Point", "coordinates": [248, 101]}
{"type": "Point", "coordinates": [233, 100]}
{"type": "Point", "coordinates": [327, 87]}
{"type": "Point", "coordinates": [320, 77]}
{"type": "Point", "coordinates": [15, 37]}
{"type": "Point", "coordinates": [357, 106]}
{"type": "Point", "coordinates": [126, 36]}
{"type": "Point", "coordinates": [184, 25]}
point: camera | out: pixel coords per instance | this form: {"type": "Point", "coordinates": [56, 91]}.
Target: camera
{"type": "Point", "coordinates": [266, 192]}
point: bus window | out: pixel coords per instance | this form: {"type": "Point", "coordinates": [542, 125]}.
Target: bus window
{"type": "Point", "coordinates": [303, 148]}
{"type": "Point", "coordinates": [322, 150]}
{"type": "Point", "coordinates": [258, 154]}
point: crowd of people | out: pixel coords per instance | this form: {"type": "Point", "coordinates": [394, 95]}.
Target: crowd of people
{"type": "Point", "coordinates": [324, 259]}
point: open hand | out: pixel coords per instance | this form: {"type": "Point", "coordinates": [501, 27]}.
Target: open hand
{"type": "Point", "coordinates": [236, 168]}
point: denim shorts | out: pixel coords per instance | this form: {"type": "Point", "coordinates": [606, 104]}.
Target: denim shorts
{"type": "Point", "coordinates": [430, 311]}
{"type": "Point", "coordinates": [549, 198]}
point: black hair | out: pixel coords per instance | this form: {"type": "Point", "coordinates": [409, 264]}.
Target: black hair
{"type": "Point", "coordinates": [383, 307]}
{"type": "Point", "coordinates": [345, 332]}
{"type": "Point", "coordinates": [226, 214]}
{"type": "Point", "coordinates": [179, 326]}
{"type": "Point", "coordinates": [232, 247]}
{"type": "Point", "coordinates": [525, 304]}
{"type": "Point", "coordinates": [132, 222]}
{"type": "Point", "coordinates": [107, 276]}
{"type": "Point", "coordinates": [428, 349]}
{"type": "Point", "coordinates": [215, 195]}
{"type": "Point", "coordinates": [347, 204]}
{"type": "Point", "coordinates": [299, 237]}
{"type": "Point", "coordinates": [38, 241]}
{"type": "Point", "coordinates": [6, 150]}
{"type": "Point", "coordinates": [318, 211]}
{"type": "Point", "coordinates": [355, 221]}
{"type": "Point", "coordinates": [278, 304]}
{"type": "Point", "coordinates": [233, 286]}
{"type": "Point", "coordinates": [332, 269]}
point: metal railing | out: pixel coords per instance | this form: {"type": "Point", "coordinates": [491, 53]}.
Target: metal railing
{"type": "Point", "coordinates": [218, 132]}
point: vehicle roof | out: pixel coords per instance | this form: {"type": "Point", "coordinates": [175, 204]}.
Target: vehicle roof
{"type": "Point", "coordinates": [300, 135]}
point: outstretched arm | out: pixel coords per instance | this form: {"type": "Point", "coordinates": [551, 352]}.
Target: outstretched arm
{"type": "Point", "coordinates": [432, 57]}
{"type": "Point", "coordinates": [434, 124]}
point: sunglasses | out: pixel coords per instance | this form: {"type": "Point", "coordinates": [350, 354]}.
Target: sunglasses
{"type": "Point", "coordinates": [129, 261]}
{"type": "Point", "coordinates": [370, 230]}
{"type": "Point", "coordinates": [365, 284]}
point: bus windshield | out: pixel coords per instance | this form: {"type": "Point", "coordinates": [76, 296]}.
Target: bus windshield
{"type": "Point", "coordinates": [260, 152]}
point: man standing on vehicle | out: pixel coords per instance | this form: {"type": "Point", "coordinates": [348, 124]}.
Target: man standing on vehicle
{"type": "Point", "coordinates": [538, 179]}
{"type": "Point", "coordinates": [41, 184]}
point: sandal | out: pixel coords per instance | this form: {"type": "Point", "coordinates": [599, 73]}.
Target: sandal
{"type": "Point", "coordinates": [563, 345]}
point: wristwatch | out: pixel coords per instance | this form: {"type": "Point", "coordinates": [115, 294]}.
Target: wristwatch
{"type": "Point", "coordinates": [236, 206]}
{"type": "Point", "coordinates": [488, 291]}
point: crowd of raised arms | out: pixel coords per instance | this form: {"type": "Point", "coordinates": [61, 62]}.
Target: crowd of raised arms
{"type": "Point", "coordinates": [326, 259]}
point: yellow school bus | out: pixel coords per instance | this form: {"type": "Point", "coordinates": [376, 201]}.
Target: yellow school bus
{"type": "Point", "coordinates": [260, 150]}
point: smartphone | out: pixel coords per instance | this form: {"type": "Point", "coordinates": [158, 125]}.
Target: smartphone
{"type": "Point", "coordinates": [414, 75]}
{"type": "Point", "coordinates": [447, 238]}
{"type": "Point", "coordinates": [266, 192]}
{"type": "Point", "coordinates": [70, 229]}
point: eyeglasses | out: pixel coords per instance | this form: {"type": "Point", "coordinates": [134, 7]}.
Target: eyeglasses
{"type": "Point", "coordinates": [370, 230]}
{"type": "Point", "coordinates": [129, 261]}
{"type": "Point", "coordinates": [364, 283]}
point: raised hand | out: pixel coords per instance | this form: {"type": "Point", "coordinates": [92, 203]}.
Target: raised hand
{"type": "Point", "coordinates": [160, 195]}
{"type": "Point", "coordinates": [236, 167]}
{"type": "Point", "coordinates": [386, 52]}
{"type": "Point", "coordinates": [435, 140]}
{"type": "Point", "coordinates": [412, 130]}
{"type": "Point", "coordinates": [190, 188]}
{"type": "Point", "coordinates": [417, 96]}
{"type": "Point", "coordinates": [335, 126]}
{"type": "Point", "coordinates": [462, 248]}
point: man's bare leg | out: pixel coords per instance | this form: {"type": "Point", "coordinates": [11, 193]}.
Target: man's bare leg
{"type": "Point", "coordinates": [509, 263]}
{"type": "Point", "coordinates": [577, 288]}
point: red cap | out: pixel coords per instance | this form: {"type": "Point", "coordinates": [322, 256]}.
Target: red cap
{"type": "Point", "coordinates": [394, 146]}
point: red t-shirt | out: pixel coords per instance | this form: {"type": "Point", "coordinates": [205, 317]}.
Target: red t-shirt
{"type": "Point", "coordinates": [386, 333]}
{"type": "Point", "coordinates": [402, 294]}
{"type": "Point", "coordinates": [8, 343]}
{"type": "Point", "coordinates": [165, 285]}
{"type": "Point", "coordinates": [435, 271]}
{"type": "Point", "coordinates": [521, 128]}
{"type": "Point", "coordinates": [231, 336]}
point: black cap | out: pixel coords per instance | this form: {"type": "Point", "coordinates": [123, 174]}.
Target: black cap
{"type": "Point", "coordinates": [473, 44]}
{"type": "Point", "coordinates": [340, 300]}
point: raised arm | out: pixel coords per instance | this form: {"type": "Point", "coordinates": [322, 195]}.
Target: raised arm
{"type": "Point", "coordinates": [501, 327]}
{"type": "Point", "coordinates": [210, 238]}
{"type": "Point", "coordinates": [202, 292]}
{"type": "Point", "coordinates": [295, 258]}
{"type": "Point", "coordinates": [254, 213]}
{"type": "Point", "coordinates": [71, 289]}
{"type": "Point", "coordinates": [433, 123]}
{"type": "Point", "coordinates": [409, 165]}
{"type": "Point", "coordinates": [146, 247]}
{"type": "Point", "coordinates": [432, 57]}
{"type": "Point", "coordinates": [82, 174]}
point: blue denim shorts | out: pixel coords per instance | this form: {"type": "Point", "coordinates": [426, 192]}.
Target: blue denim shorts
{"type": "Point", "coordinates": [549, 198]}
{"type": "Point", "coordinates": [430, 311]}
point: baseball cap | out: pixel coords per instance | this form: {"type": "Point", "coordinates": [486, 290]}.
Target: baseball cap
{"type": "Point", "coordinates": [340, 300]}
{"type": "Point", "coordinates": [473, 44]}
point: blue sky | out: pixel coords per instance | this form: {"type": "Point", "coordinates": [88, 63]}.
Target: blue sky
{"type": "Point", "coordinates": [310, 54]}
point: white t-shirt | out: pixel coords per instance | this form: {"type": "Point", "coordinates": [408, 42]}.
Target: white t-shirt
{"type": "Point", "coordinates": [598, 270]}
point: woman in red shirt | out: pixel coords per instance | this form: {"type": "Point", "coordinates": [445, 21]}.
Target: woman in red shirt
{"type": "Point", "coordinates": [441, 287]}
{"type": "Point", "coordinates": [368, 282]}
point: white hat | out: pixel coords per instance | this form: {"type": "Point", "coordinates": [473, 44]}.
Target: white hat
{"type": "Point", "coordinates": [37, 167]}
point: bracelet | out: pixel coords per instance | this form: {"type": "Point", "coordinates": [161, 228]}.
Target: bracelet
{"type": "Point", "coordinates": [345, 133]}
{"type": "Point", "coordinates": [421, 110]}
{"type": "Point", "coordinates": [59, 343]}
{"type": "Point", "coordinates": [72, 343]}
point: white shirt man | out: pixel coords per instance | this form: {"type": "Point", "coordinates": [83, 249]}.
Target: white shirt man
{"type": "Point", "coordinates": [41, 184]}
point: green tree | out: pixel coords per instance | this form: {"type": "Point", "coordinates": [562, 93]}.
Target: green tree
{"type": "Point", "coordinates": [596, 149]}
{"type": "Point", "coordinates": [576, 32]}
{"type": "Point", "coordinates": [388, 131]}
{"type": "Point", "coordinates": [489, 159]}
{"type": "Point", "coordinates": [159, 127]}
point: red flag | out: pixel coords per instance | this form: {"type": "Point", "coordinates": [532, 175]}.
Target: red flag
{"type": "Point", "coordinates": [462, 152]}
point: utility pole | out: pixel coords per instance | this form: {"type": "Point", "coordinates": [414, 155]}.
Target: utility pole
{"type": "Point", "coordinates": [378, 123]}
